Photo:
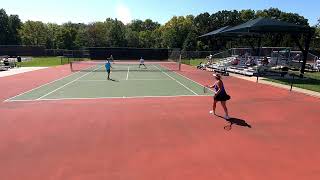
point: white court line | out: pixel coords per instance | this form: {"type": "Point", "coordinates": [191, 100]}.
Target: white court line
{"type": "Point", "coordinates": [44, 85]}
{"type": "Point", "coordinates": [68, 83]}
{"type": "Point", "coordinates": [125, 80]}
{"type": "Point", "coordinates": [150, 80]}
{"type": "Point", "coordinates": [191, 80]}
{"type": "Point", "coordinates": [128, 73]}
{"type": "Point", "coordinates": [176, 80]}
{"type": "Point", "coordinates": [97, 98]}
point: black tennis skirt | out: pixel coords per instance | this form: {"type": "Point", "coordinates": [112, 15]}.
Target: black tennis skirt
{"type": "Point", "coordinates": [222, 97]}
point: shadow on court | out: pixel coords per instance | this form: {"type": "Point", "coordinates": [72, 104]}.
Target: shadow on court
{"type": "Point", "coordinates": [235, 121]}
{"type": "Point", "coordinates": [114, 80]}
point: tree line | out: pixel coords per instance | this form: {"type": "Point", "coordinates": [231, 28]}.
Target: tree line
{"type": "Point", "coordinates": [179, 32]}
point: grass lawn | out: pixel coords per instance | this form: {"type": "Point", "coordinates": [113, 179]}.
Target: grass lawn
{"type": "Point", "coordinates": [193, 62]}
{"type": "Point", "coordinates": [311, 81]}
{"type": "Point", "coordinates": [44, 62]}
{"type": "Point", "coordinates": [196, 62]}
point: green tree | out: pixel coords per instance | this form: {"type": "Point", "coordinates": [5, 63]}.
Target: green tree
{"type": "Point", "coordinates": [116, 33]}
{"type": "Point", "coordinates": [272, 13]}
{"type": "Point", "coordinates": [190, 43]}
{"type": "Point", "coordinates": [33, 33]}
{"type": "Point", "coordinates": [145, 39]}
{"type": "Point", "coordinates": [225, 18]}
{"type": "Point", "coordinates": [97, 34]}
{"type": "Point", "coordinates": [141, 33]}
{"type": "Point", "coordinates": [14, 27]}
{"type": "Point", "coordinates": [4, 27]}
{"type": "Point", "coordinates": [67, 36]}
{"type": "Point", "coordinates": [52, 35]}
{"type": "Point", "coordinates": [316, 38]}
{"type": "Point", "coordinates": [136, 25]}
{"type": "Point", "coordinates": [318, 28]}
{"type": "Point", "coordinates": [169, 38]}
{"type": "Point", "coordinates": [82, 37]}
{"type": "Point", "coordinates": [246, 15]}
{"type": "Point", "coordinates": [147, 25]}
{"type": "Point", "coordinates": [176, 30]}
{"type": "Point", "coordinates": [132, 38]}
{"type": "Point", "coordinates": [202, 22]}
{"type": "Point", "coordinates": [156, 36]}
{"type": "Point", "coordinates": [202, 46]}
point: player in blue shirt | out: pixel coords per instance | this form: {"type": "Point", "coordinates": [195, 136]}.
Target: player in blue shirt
{"type": "Point", "coordinates": [108, 68]}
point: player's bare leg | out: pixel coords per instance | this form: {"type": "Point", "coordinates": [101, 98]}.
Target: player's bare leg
{"type": "Point", "coordinates": [214, 105]}
{"type": "Point", "coordinates": [224, 105]}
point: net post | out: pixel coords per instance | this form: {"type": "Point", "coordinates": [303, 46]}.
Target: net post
{"type": "Point", "coordinates": [179, 62]}
{"type": "Point", "coordinates": [257, 81]}
{"type": "Point", "coordinates": [71, 67]}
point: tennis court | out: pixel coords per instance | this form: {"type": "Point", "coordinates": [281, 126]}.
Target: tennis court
{"type": "Point", "coordinates": [128, 81]}
{"type": "Point", "coordinates": [89, 131]}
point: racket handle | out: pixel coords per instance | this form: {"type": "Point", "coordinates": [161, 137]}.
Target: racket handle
{"type": "Point", "coordinates": [205, 89]}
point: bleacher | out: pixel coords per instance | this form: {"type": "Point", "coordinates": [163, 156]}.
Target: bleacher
{"type": "Point", "coordinates": [7, 63]}
{"type": "Point", "coordinates": [272, 61]}
{"type": "Point", "coordinates": [234, 65]}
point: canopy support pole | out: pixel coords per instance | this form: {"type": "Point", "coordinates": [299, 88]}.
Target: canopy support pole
{"type": "Point", "coordinates": [305, 53]}
{"type": "Point", "coordinates": [259, 47]}
{"type": "Point", "coordinates": [305, 50]}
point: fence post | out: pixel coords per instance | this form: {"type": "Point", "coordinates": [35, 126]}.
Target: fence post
{"type": "Point", "coordinates": [292, 82]}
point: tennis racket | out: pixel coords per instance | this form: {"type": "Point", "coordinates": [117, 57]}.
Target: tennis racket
{"type": "Point", "coordinates": [206, 89]}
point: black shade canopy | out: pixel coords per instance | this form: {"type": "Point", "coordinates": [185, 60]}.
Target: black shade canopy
{"type": "Point", "coordinates": [257, 27]}
{"type": "Point", "coordinates": [223, 32]}
{"type": "Point", "coordinates": [216, 32]}
{"type": "Point", "coordinates": [267, 25]}
{"type": "Point", "coordinates": [260, 26]}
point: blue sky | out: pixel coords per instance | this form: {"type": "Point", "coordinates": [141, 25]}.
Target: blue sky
{"type": "Point", "coordinates": [59, 11]}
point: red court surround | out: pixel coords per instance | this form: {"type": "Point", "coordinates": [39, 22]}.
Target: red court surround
{"type": "Point", "coordinates": [158, 138]}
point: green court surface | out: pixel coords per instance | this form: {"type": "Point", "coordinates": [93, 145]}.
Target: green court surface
{"type": "Point", "coordinates": [129, 81]}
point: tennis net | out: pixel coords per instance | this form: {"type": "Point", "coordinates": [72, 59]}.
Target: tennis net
{"type": "Point", "coordinates": [125, 66]}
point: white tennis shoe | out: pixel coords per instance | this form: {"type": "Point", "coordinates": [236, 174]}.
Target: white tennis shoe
{"type": "Point", "coordinates": [211, 112]}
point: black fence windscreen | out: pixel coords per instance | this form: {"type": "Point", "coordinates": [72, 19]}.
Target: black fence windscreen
{"type": "Point", "coordinates": [128, 53]}
{"type": "Point", "coordinates": [10, 50]}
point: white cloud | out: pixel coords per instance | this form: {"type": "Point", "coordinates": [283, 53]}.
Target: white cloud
{"type": "Point", "coordinates": [123, 13]}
